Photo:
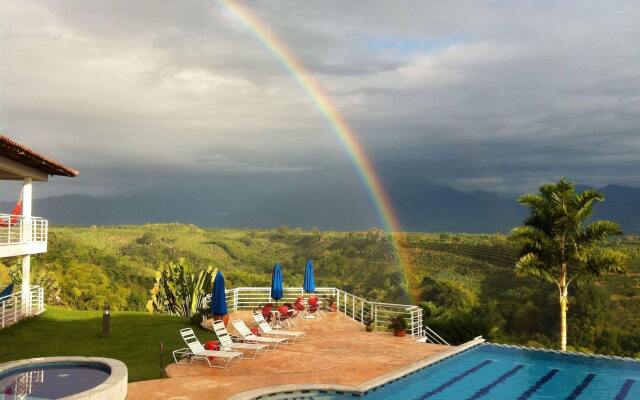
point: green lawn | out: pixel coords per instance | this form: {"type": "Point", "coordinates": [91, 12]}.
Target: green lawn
{"type": "Point", "coordinates": [134, 338]}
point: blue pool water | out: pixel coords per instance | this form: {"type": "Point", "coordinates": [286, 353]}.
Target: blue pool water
{"type": "Point", "coordinates": [51, 380]}
{"type": "Point", "coordinates": [489, 371]}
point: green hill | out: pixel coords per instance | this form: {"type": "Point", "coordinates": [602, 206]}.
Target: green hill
{"type": "Point", "coordinates": [464, 281]}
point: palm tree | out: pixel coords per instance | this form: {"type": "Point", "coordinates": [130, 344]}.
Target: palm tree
{"type": "Point", "coordinates": [559, 247]}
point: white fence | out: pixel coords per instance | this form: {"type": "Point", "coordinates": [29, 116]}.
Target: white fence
{"type": "Point", "coordinates": [18, 229]}
{"type": "Point", "coordinates": [15, 307]}
{"type": "Point", "coordinates": [357, 308]}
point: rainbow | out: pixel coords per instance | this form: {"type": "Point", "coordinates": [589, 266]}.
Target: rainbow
{"type": "Point", "coordinates": [338, 125]}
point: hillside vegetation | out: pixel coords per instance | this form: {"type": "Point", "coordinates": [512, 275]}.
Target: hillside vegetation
{"type": "Point", "coordinates": [465, 282]}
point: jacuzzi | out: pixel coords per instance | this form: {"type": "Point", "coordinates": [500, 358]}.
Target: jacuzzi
{"type": "Point", "coordinates": [64, 378]}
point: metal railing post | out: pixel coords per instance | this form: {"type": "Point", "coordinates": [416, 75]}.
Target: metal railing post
{"type": "Point", "coordinates": [345, 303]}
{"type": "Point", "coordinates": [413, 324]}
{"type": "Point", "coordinates": [353, 307]}
{"type": "Point", "coordinates": [375, 317]}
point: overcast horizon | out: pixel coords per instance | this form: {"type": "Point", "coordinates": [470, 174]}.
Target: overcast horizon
{"type": "Point", "coordinates": [494, 96]}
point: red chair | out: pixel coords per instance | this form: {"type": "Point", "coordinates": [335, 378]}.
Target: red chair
{"type": "Point", "coordinates": [266, 311]}
{"type": "Point", "coordinates": [298, 304]}
{"type": "Point", "coordinates": [313, 306]}
{"type": "Point", "coordinates": [293, 311]}
{"type": "Point", "coordinates": [300, 308]}
{"type": "Point", "coordinates": [283, 315]}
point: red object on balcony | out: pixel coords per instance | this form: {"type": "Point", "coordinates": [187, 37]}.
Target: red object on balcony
{"type": "Point", "coordinates": [17, 210]}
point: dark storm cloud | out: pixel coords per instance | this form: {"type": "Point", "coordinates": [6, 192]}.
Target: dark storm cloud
{"type": "Point", "coordinates": [493, 96]}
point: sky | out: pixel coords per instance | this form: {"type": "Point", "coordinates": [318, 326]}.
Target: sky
{"type": "Point", "coordinates": [498, 96]}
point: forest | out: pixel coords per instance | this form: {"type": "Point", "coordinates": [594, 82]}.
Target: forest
{"type": "Point", "coordinates": [465, 282]}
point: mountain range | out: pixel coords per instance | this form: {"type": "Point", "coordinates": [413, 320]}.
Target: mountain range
{"type": "Point", "coordinates": [421, 207]}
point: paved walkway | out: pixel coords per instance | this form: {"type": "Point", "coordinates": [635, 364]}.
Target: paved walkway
{"type": "Point", "coordinates": [334, 350]}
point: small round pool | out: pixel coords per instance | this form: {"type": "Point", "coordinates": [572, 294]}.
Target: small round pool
{"type": "Point", "coordinates": [63, 378]}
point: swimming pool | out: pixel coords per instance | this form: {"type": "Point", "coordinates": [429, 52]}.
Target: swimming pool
{"type": "Point", "coordinates": [489, 371]}
{"type": "Point", "coordinates": [53, 380]}
{"type": "Point", "coordinates": [63, 377]}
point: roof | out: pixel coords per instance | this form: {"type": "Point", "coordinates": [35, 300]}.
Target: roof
{"type": "Point", "coordinates": [25, 156]}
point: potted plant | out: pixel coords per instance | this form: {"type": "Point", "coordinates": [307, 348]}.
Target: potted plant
{"type": "Point", "coordinates": [201, 317]}
{"type": "Point", "coordinates": [399, 325]}
{"type": "Point", "coordinates": [368, 323]}
{"type": "Point", "coordinates": [331, 303]}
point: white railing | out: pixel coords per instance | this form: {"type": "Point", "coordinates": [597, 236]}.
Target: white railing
{"type": "Point", "coordinates": [358, 308]}
{"type": "Point", "coordinates": [18, 229]}
{"type": "Point", "coordinates": [15, 307]}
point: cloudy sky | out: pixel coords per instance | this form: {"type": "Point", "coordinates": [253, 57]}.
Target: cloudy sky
{"type": "Point", "coordinates": [491, 95]}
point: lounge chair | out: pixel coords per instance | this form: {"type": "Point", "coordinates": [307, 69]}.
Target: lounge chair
{"type": "Point", "coordinates": [196, 351]}
{"type": "Point", "coordinates": [226, 343]}
{"type": "Point", "coordinates": [268, 330]}
{"type": "Point", "coordinates": [249, 337]}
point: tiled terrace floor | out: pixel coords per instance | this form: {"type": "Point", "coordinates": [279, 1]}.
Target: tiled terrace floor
{"type": "Point", "coordinates": [334, 350]}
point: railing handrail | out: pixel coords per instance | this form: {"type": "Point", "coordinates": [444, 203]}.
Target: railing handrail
{"type": "Point", "coordinates": [324, 288]}
{"type": "Point", "coordinates": [14, 294]}
{"type": "Point", "coordinates": [20, 229]}
{"type": "Point", "coordinates": [17, 306]}
{"type": "Point", "coordinates": [20, 216]}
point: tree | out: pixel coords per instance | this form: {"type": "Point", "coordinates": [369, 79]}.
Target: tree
{"type": "Point", "coordinates": [179, 290]}
{"type": "Point", "coordinates": [559, 247]}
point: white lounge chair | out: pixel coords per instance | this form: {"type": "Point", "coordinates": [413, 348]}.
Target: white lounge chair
{"type": "Point", "coordinates": [196, 351]}
{"type": "Point", "coordinates": [249, 337]}
{"type": "Point", "coordinates": [267, 329]}
{"type": "Point", "coordinates": [227, 343]}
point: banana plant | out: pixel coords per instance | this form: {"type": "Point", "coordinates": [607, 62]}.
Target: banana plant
{"type": "Point", "coordinates": [178, 290]}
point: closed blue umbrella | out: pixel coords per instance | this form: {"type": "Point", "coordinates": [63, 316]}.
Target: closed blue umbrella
{"type": "Point", "coordinates": [309, 281]}
{"type": "Point", "coordinates": [218, 296]}
{"type": "Point", "coordinates": [276, 283]}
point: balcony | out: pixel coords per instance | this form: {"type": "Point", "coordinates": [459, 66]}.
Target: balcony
{"type": "Point", "coordinates": [20, 235]}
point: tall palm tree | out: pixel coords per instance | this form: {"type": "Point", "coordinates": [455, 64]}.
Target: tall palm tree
{"type": "Point", "coordinates": [559, 247]}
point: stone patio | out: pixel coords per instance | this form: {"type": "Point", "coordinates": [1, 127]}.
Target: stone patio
{"type": "Point", "coordinates": [335, 349]}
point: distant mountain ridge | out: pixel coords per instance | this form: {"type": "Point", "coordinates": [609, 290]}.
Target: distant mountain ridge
{"type": "Point", "coordinates": [424, 207]}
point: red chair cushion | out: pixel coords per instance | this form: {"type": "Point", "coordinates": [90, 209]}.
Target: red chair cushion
{"type": "Point", "coordinates": [284, 312]}
{"type": "Point", "coordinates": [298, 304]}
{"type": "Point", "coordinates": [266, 311]}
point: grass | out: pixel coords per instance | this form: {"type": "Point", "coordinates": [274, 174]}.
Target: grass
{"type": "Point", "coordinates": [134, 338]}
